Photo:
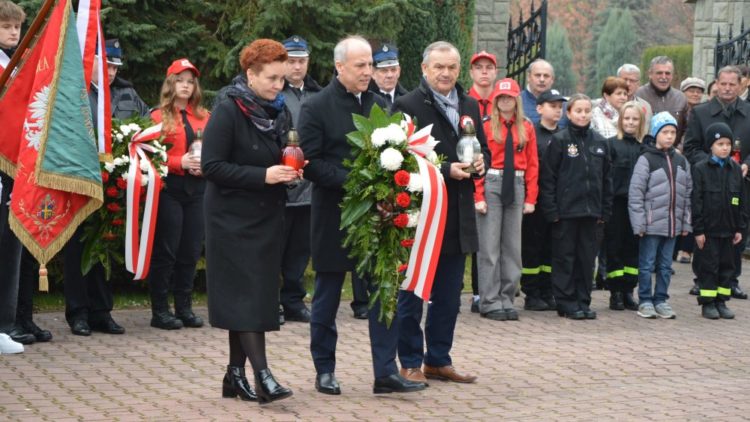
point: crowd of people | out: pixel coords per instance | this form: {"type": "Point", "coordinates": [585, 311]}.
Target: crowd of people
{"type": "Point", "coordinates": [641, 176]}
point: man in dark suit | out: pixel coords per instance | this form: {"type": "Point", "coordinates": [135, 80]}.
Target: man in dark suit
{"type": "Point", "coordinates": [440, 101]}
{"type": "Point", "coordinates": [726, 107]}
{"type": "Point", "coordinates": [324, 121]}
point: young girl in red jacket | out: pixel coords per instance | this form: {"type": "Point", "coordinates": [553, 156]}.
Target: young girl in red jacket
{"type": "Point", "coordinates": [178, 239]}
{"type": "Point", "coordinates": [508, 190]}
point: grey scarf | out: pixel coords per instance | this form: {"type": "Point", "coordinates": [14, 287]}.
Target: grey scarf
{"type": "Point", "coordinates": [449, 104]}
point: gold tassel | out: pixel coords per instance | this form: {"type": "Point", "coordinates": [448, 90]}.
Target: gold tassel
{"type": "Point", "coordinates": [43, 281]}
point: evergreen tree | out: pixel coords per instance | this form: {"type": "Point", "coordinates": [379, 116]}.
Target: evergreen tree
{"type": "Point", "coordinates": [616, 44]}
{"type": "Point", "coordinates": [560, 55]}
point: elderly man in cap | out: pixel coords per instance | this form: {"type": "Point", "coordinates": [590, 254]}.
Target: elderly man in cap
{"type": "Point", "coordinates": [693, 88]}
{"type": "Point", "coordinates": [386, 73]}
{"type": "Point", "coordinates": [298, 88]}
{"type": "Point", "coordinates": [124, 99]}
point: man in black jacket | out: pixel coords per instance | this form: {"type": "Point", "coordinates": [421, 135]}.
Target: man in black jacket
{"type": "Point", "coordinates": [440, 101]}
{"type": "Point", "coordinates": [324, 121]}
{"type": "Point", "coordinates": [728, 108]}
{"type": "Point", "coordinates": [386, 74]}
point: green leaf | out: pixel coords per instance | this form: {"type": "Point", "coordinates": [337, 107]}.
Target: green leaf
{"type": "Point", "coordinates": [356, 139]}
{"type": "Point", "coordinates": [362, 123]}
{"type": "Point", "coordinates": [367, 174]}
{"type": "Point", "coordinates": [353, 213]}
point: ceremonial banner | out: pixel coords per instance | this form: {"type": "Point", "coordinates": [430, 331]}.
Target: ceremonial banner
{"type": "Point", "coordinates": [50, 148]}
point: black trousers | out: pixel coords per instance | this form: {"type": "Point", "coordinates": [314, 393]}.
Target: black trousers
{"type": "Point", "coordinates": [714, 267]}
{"type": "Point", "coordinates": [573, 253]}
{"type": "Point", "coordinates": [178, 241]}
{"type": "Point", "coordinates": [621, 249]}
{"type": "Point", "coordinates": [10, 259]}
{"type": "Point", "coordinates": [87, 297]}
{"type": "Point", "coordinates": [535, 256]}
{"type": "Point", "coordinates": [295, 256]}
{"type": "Point", "coordinates": [26, 285]}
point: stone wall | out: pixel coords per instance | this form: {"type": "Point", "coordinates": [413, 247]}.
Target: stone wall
{"type": "Point", "coordinates": [711, 16]}
{"type": "Point", "coordinates": [491, 29]}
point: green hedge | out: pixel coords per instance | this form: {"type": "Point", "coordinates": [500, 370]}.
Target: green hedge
{"type": "Point", "coordinates": [681, 55]}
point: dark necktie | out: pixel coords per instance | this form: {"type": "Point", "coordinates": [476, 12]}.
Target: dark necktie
{"type": "Point", "coordinates": [509, 171]}
{"type": "Point", "coordinates": [484, 104]}
{"type": "Point", "coordinates": [388, 99]}
{"type": "Point", "coordinates": [189, 133]}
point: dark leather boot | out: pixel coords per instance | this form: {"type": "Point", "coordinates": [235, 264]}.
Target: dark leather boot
{"type": "Point", "coordinates": [165, 320]}
{"type": "Point", "coordinates": [268, 389]}
{"type": "Point", "coordinates": [629, 301]}
{"type": "Point", "coordinates": [235, 384]}
{"type": "Point", "coordinates": [183, 309]}
{"type": "Point", "coordinates": [616, 301]}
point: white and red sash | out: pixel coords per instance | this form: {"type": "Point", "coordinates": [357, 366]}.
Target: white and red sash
{"type": "Point", "coordinates": [138, 245]}
{"type": "Point", "coordinates": [425, 254]}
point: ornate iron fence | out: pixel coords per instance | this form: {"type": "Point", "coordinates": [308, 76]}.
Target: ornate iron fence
{"type": "Point", "coordinates": [733, 51]}
{"type": "Point", "coordinates": [526, 42]}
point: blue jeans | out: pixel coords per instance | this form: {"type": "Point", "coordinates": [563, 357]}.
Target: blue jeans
{"type": "Point", "coordinates": [654, 250]}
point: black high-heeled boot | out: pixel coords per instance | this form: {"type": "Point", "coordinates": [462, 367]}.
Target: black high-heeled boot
{"type": "Point", "coordinates": [268, 389]}
{"type": "Point", "coordinates": [235, 384]}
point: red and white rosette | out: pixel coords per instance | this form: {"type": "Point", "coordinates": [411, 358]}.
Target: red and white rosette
{"type": "Point", "coordinates": [425, 254]}
{"type": "Point", "coordinates": [139, 240]}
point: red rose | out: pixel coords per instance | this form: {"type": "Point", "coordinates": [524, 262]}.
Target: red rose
{"type": "Point", "coordinates": [401, 178]}
{"type": "Point", "coordinates": [402, 268]}
{"type": "Point", "coordinates": [407, 243]}
{"type": "Point", "coordinates": [114, 207]}
{"type": "Point", "coordinates": [105, 177]}
{"type": "Point", "coordinates": [111, 192]}
{"type": "Point", "coordinates": [121, 183]}
{"type": "Point", "coordinates": [401, 220]}
{"type": "Point", "coordinates": [118, 222]}
{"type": "Point", "coordinates": [403, 199]}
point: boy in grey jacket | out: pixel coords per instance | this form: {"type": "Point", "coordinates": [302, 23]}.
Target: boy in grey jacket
{"type": "Point", "coordinates": [659, 208]}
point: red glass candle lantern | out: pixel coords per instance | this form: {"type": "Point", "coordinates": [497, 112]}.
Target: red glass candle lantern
{"type": "Point", "coordinates": [292, 155]}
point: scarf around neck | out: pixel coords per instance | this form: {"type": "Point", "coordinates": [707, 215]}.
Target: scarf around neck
{"type": "Point", "coordinates": [266, 116]}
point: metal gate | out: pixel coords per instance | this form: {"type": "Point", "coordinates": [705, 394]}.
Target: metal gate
{"type": "Point", "coordinates": [526, 42]}
{"type": "Point", "coordinates": [733, 51]}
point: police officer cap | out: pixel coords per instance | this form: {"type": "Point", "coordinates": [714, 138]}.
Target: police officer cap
{"type": "Point", "coordinates": [114, 51]}
{"type": "Point", "coordinates": [296, 46]}
{"type": "Point", "coordinates": [385, 56]}
{"type": "Point", "coordinates": [716, 131]}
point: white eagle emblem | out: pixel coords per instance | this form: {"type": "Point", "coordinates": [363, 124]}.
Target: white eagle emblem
{"type": "Point", "coordinates": [35, 120]}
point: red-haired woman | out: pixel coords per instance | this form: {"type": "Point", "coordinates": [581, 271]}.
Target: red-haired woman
{"type": "Point", "coordinates": [244, 206]}
{"type": "Point", "coordinates": [178, 239]}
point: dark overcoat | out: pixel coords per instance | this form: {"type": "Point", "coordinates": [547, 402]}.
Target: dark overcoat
{"type": "Point", "coordinates": [703, 115]}
{"type": "Point", "coordinates": [323, 123]}
{"type": "Point", "coordinates": [460, 227]}
{"type": "Point", "coordinates": [244, 222]}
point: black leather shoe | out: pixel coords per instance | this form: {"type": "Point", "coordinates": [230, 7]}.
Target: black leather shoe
{"type": "Point", "coordinates": [737, 293]}
{"type": "Point", "coordinates": [361, 313]}
{"type": "Point", "coordinates": [589, 314]}
{"type": "Point", "coordinates": [616, 301]}
{"type": "Point", "coordinates": [534, 303]}
{"type": "Point", "coordinates": [302, 315]}
{"type": "Point", "coordinates": [512, 314]}
{"type": "Point", "coordinates": [551, 302]}
{"type": "Point", "coordinates": [695, 290]}
{"type": "Point", "coordinates": [496, 315]}
{"type": "Point", "coordinates": [165, 320]}
{"type": "Point", "coordinates": [189, 319]}
{"type": "Point", "coordinates": [235, 384]}
{"type": "Point", "coordinates": [709, 311]}
{"type": "Point", "coordinates": [40, 335]}
{"type": "Point", "coordinates": [474, 305]}
{"type": "Point", "coordinates": [629, 301]}
{"type": "Point", "coordinates": [572, 315]}
{"type": "Point", "coordinates": [19, 335]}
{"type": "Point", "coordinates": [268, 389]}
{"type": "Point", "coordinates": [395, 383]}
{"type": "Point", "coordinates": [107, 325]}
{"type": "Point", "coordinates": [724, 312]}
{"type": "Point", "coordinates": [327, 384]}
{"type": "Point", "coordinates": [80, 327]}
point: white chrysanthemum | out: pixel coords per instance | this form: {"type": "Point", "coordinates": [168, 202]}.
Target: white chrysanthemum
{"type": "Point", "coordinates": [432, 157]}
{"type": "Point", "coordinates": [118, 161]}
{"type": "Point", "coordinates": [415, 183]}
{"type": "Point", "coordinates": [144, 166]}
{"type": "Point", "coordinates": [119, 137]}
{"type": "Point", "coordinates": [391, 159]}
{"type": "Point", "coordinates": [395, 135]}
{"type": "Point", "coordinates": [110, 167]}
{"type": "Point", "coordinates": [379, 137]}
{"type": "Point", "coordinates": [125, 130]}
{"type": "Point", "coordinates": [134, 127]}
{"type": "Point", "coordinates": [163, 155]}
{"type": "Point", "coordinates": [413, 218]}
{"type": "Point", "coordinates": [163, 170]}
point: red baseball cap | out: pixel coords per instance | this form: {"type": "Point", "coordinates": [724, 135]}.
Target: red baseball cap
{"type": "Point", "coordinates": [484, 55]}
{"type": "Point", "coordinates": [507, 86]}
{"type": "Point", "coordinates": [179, 65]}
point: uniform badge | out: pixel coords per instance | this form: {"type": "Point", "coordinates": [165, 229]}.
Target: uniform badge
{"type": "Point", "coordinates": [385, 48]}
{"type": "Point", "coordinates": [572, 150]}
{"type": "Point", "coordinates": [599, 150]}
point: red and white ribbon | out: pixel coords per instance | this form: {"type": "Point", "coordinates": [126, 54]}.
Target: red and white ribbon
{"type": "Point", "coordinates": [425, 254]}
{"type": "Point", "coordinates": [138, 244]}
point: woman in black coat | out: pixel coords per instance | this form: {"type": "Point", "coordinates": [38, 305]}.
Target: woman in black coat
{"type": "Point", "coordinates": [244, 208]}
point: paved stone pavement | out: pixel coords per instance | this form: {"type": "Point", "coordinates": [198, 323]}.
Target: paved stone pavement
{"type": "Point", "coordinates": [541, 368]}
